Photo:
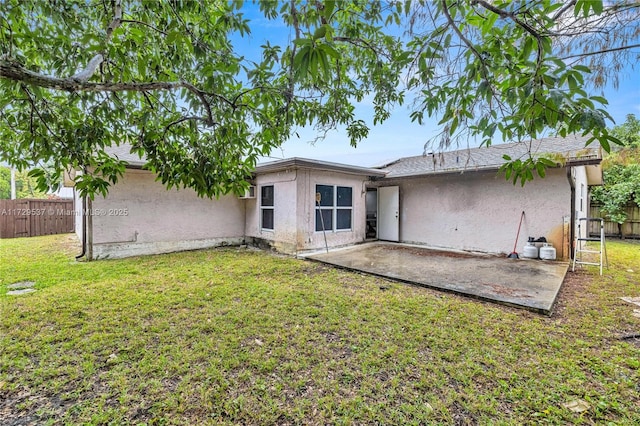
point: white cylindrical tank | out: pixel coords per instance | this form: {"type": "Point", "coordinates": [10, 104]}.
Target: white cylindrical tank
{"type": "Point", "coordinates": [530, 251]}
{"type": "Point", "coordinates": [547, 252]}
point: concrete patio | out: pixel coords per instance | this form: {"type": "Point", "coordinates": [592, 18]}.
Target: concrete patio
{"type": "Point", "coordinates": [530, 284]}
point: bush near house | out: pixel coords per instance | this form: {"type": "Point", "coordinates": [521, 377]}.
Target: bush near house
{"type": "Point", "coordinates": [233, 336]}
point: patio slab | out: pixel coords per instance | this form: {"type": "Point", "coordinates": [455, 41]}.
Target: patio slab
{"type": "Point", "coordinates": [530, 284]}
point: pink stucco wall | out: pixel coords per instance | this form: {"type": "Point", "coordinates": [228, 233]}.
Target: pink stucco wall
{"type": "Point", "coordinates": [480, 211]}
{"type": "Point", "coordinates": [475, 211]}
{"type": "Point", "coordinates": [283, 235]}
{"type": "Point", "coordinates": [294, 210]}
{"type": "Point", "coordinates": [140, 216]}
{"type": "Point", "coordinates": [308, 236]}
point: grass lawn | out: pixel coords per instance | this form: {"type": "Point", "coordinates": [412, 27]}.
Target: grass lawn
{"type": "Point", "coordinates": [248, 337]}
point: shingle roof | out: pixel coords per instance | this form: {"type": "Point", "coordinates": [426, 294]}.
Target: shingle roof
{"type": "Point", "coordinates": [123, 152]}
{"type": "Point", "coordinates": [572, 148]}
{"type": "Point", "coordinates": [306, 163]}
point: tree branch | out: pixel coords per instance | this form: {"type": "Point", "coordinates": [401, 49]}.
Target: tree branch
{"type": "Point", "coordinates": [133, 21]}
{"type": "Point", "coordinates": [599, 52]}
{"type": "Point", "coordinates": [15, 72]}
{"type": "Point", "coordinates": [465, 40]}
{"type": "Point", "coordinates": [512, 16]}
{"type": "Point", "coordinates": [193, 89]}
{"type": "Point", "coordinates": [44, 122]}
{"type": "Point", "coordinates": [90, 69]}
{"type": "Point", "coordinates": [509, 15]}
{"type": "Point", "coordinates": [115, 22]}
{"type": "Point", "coordinates": [94, 63]}
{"type": "Point", "coordinates": [562, 10]}
{"type": "Point", "coordinates": [362, 43]}
{"type": "Point", "coordinates": [183, 119]}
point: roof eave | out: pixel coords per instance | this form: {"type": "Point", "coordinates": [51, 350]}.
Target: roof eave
{"type": "Point", "coordinates": [301, 163]}
{"type": "Point", "coordinates": [571, 163]}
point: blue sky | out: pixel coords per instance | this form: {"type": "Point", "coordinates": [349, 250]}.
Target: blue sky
{"type": "Point", "coordinates": [398, 136]}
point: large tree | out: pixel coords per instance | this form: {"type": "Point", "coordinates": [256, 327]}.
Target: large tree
{"type": "Point", "coordinates": [170, 78]}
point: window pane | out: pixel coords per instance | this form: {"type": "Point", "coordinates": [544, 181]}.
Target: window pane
{"type": "Point", "coordinates": [343, 219]}
{"type": "Point", "coordinates": [344, 196]}
{"type": "Point", "coordinates": [267, 218]}
{"type": "Point", "coordinates": [326, 194]}
{"type": "Point", "coordinates": [327, 217]}
{"type": "Point", "coordinates": [267, 196]}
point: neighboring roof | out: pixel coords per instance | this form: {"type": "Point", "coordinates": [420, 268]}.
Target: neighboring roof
{"type": "Point", "coordinates": [305, 163]}
{"type": "Point", "coordinates": [572, 149]}
{"type": "Point", "coordinates": [123, 152]}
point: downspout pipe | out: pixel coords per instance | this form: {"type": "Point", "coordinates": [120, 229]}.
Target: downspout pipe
{"type": "Point", "coordinates": [84, 229]}
{"type": "Point", "coordinates": [84, 223]}
{"type": "Point", "coordinates": [573, 212]}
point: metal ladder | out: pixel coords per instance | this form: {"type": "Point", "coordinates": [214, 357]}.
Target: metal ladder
{"type": "Point", "coordinates": [580, 243]}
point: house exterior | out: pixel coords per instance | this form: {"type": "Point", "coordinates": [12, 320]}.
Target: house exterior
{"type": "Point", "coordinates": [458, 200]}
{"type": "Point", "coordinates": [295, 219]}
{"type": "Point", "coordinates": [454, 200]}
{"type": "Point", "coordinates": [140, 216]}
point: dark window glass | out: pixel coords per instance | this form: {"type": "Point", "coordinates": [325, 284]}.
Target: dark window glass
{"type": "Point", "coordinates": [326, 217]}
{"type": "Point", "coordinates": [343, 219]}
{"type": "Point", "coordinates": [344, 196]}
{"type": "Point", "coordinates": [267, 196]}
{"type": "Point", "coordinates": [267, 218]}
{"type": "Point", "coordinates": [326, 195]}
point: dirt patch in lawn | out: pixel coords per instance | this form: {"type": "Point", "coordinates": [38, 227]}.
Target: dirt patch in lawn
{"type": "Point", "coordinates": [575, 285]}
{"type": "Point", "coordinates": [34, 407]}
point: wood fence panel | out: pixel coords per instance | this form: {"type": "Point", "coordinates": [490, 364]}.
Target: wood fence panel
{"type": "Point", "coordinates": [630, 229]}
{"type": "Point", "coordinates": [31, 218]}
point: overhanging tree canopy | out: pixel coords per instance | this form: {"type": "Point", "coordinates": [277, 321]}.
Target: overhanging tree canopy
{"type": "Point", "coordinates": [170, 79]}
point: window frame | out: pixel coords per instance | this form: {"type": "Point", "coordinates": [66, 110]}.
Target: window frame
{"type": "Point", "coordinates": [335, 207]}
{"type": "Point", "coordinates": [267, 207]}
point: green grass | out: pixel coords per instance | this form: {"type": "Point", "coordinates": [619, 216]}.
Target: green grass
{"type": "Point", "coordinates": [247, 337]}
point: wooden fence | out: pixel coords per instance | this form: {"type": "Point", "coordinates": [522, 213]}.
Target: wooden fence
{"type": "Point", "coordinates": [630, 229]}
{"type": "Point", "coordinates": [30, 218]}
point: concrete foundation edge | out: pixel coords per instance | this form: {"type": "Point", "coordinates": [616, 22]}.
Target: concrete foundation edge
{"type": "Point", "coordinates": [128, 249]}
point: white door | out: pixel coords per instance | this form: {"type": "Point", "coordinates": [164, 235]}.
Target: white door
{"type": "Point", "coordinates": [389, 213]}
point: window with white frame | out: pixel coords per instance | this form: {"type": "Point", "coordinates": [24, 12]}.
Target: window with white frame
{"type": "Point", "coordinates": [334, 207]}
{"type": "Point", "coordinates": [266, 207]}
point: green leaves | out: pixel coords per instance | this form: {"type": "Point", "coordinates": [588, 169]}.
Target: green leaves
{"type": "Point", "coordinates": [628, 133]}
{"type": "Point", "coordinates": [584, 7]}
{"type": "Point", "coordinates": [621, 173]}
{"type": "Point", "coordinates": [508, 74]}
{"type": "Point", "coordinates": [621, 188]}
{"type": "Point", "coordinates": [522, 170]}
{"type": "Point", "coordinates": [482, 68]}
{"type": "Point", "coordinates": [313, 60]}
{"type": "Point", "coordinates": [211, 112]}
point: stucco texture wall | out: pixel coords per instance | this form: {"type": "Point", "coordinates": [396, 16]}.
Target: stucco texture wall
{"type": "Point", "coordinates": [283, 235]}
{"type": "Point", "coordinates": [294, 210]}
{"type": "Point", "coordinates": [140, 216]}
{"type": "Point", "coordinates": [480, 211]}
{"type": "Point", "coordinates": [308, 237]}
